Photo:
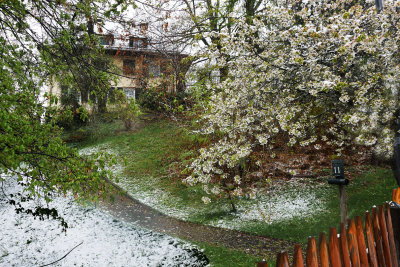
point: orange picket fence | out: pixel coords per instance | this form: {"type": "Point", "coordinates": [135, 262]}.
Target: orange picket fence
{"type": "Point", "coordinates": [396, 195]}
{"type": "Point", "coordinates": [373, 245]}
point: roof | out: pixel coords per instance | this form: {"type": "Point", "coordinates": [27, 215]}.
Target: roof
{"type": "Point", "coordinates": [126, 50]}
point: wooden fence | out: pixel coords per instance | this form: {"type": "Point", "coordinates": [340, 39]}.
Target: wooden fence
{"type": "Point", "coordinates": [396, 195]}
{"type": "Point", "coordinates": [372, 246]}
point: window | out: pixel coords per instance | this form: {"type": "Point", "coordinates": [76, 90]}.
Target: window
{"type": "Point", "coordinates": [143, 27]}
{"type": "Point", "coordinates": [128, 67]}
{"type": "Point", "coordinates": [106, 39]}
{"type": "Point", "coordinates": [165, 67]}
{"type": "Point", "coordinates": [154, 68]}
{"type": "Point", "coordinates": [137, 42]}
{"type": "Point", "coordinates": [131, 92]}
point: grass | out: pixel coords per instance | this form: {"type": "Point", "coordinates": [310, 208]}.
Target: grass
{"type": "Point", "coordinates": [372, 187]}
{"type": "Point", "coordinates": [222, 257]}
{"type": "Point", "coordinates": [310, 205]}
{"type": "Point", "coordinates": [149, 153]}
{"type": "Point", "coordinates": [94, 133]}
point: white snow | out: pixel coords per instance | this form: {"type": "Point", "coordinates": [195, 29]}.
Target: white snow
{"type": "Point", "coordinates": [272, 209]}
{"type": "Point", "coordinates": [134, 190]}
{"type": "Point", "coordinates": [288, 199]}
{"type": "Point", "coordinates": [105, 240]}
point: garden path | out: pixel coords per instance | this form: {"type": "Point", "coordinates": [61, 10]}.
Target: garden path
{"type": "Point", "coordinates": [130, 210]}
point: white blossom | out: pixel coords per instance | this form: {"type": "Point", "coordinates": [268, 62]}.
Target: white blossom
{"type": "Point", "coordinates": [237, 179]}
{"type": "Point", "coordinates": [332, 80]}
{"type": "Point", "coordinates": [206, 200]}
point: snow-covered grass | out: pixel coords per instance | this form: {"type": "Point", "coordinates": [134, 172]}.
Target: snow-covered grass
{"type": "Point", "coordinates": [293, 198]}
{"type": "Point", "coordinates": [281, 204]}
{"type": "Point", "coordinates": [288, 209]}
{"type": "Point", "coordinates": [143, 192]}
{"type": "Point", "coordinates": [102, 240]}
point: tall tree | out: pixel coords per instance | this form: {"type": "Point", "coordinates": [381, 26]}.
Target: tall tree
{"type": "Point", "coordinates": [211, 20]}
{"type": "Point", "coordinates": [41, 41]}
{"type": "Point", "coordinates": [320, 75]}
{"type": "Point", "coordinates": [198, 24]}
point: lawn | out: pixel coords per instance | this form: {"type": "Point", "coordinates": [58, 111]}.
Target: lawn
{"type": "Point", "coordinates": [292, 210]}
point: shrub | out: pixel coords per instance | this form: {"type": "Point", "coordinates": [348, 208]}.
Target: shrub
{"type": "Point", "coordinates": [129, 112]}
{"type": "Point", "coordinates": [69, 118]}
{"type": "Point", "coordinates": [125, 109]}
{"type": "Point", "coordinates": [159, 99]}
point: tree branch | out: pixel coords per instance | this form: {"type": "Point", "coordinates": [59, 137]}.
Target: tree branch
{"type": "Point", "coordinates": [63, 256]}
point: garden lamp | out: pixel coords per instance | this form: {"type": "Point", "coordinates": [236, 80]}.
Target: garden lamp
{"type": "Point", "coordinates": [379, 5]}
{"type": "Point", "coordinates": [338, 173]}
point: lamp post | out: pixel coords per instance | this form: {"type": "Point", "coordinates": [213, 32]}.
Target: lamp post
{"type": "Point", "coordinates": [379, 5]}
{"type": "Point", "coordinates": [338, 173]}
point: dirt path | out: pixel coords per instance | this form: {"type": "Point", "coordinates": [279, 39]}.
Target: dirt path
{"type": "Point", "coordinates": [130, 210]}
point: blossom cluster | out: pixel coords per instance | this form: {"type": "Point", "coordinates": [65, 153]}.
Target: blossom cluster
{"type": "Point", "coordinates": [320, 73]}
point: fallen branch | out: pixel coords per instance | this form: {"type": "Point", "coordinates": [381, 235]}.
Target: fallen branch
{"type": "Point", "coordinates": [63, 256]}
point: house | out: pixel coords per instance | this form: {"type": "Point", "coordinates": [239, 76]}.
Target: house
{"type": "Point", "coordinates": [141, 65]}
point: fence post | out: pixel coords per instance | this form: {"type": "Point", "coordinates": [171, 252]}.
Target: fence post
{"type": "Point", "coordinates": [378, 238]}
{"type": "Point", "coordinates": [262, 264]}
{"type": "Point", "coordinates": [385, 239]}
{"type": "Point", "coordinates": [371, 241]}
{"type": "Point", "coordinates": [312, 255]}
{"type": "Point", "coordinates": [333, 246]}
{"type": "Point", "coordinates": [323, 251]}
{"type": "Point", "coordinates": [343, 246]}
{"type": "Point", "coordinates": [298, 260]}
{"type": "Point", "coordinates": [282, 260]}
{"type": "Point", "coordinates": [395, 215]}
{"type": "Point", "coordinates": [393, 251]}
{"type": "Point", "coordinates": [353, 244]}
{"type": "Point", "coordinates": [362, 249]}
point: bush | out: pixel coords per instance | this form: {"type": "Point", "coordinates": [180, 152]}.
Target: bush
{"type": "Point", "coordinates": [125, 109]}
{"type": "Point", "coordinates": [159, 99]}
{"type": "Point", "coordinates": [129, 112]}
{"type": "Point", "coordinates": [69, 118]}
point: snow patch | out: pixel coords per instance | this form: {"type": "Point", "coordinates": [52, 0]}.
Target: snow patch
{"type": "Point", "coordinates": [285, 200]}
{"type": "Point", "coordinates": [105, 240]}
{"type": "Point", "coordinates": [273, 209]}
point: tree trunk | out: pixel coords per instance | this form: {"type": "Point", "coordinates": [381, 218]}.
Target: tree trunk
{"type": "Point", "coordinates": [232, 203]}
